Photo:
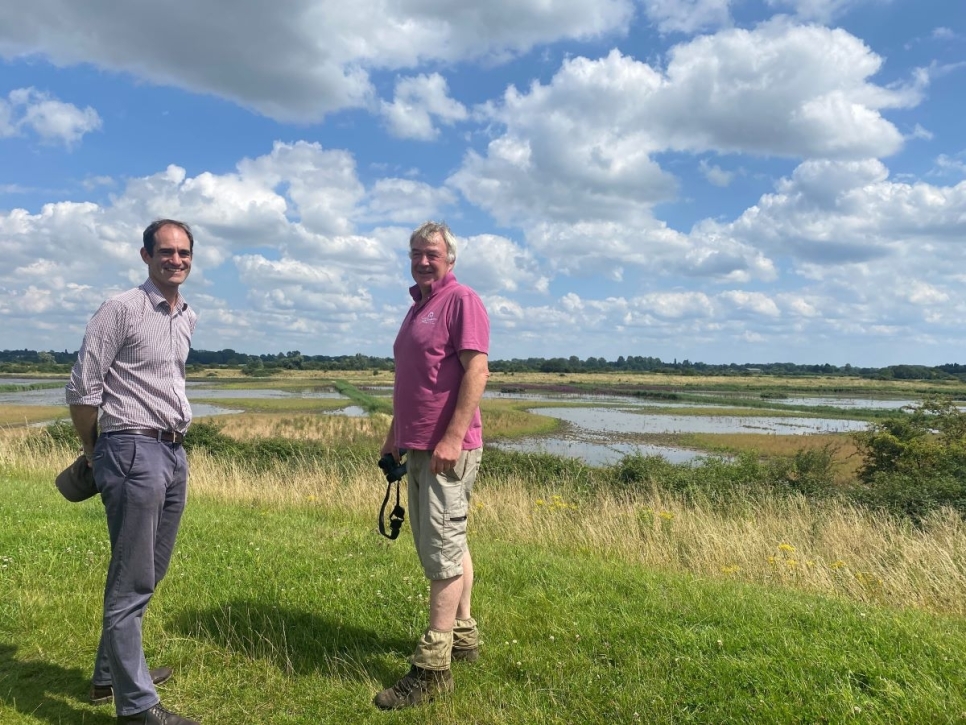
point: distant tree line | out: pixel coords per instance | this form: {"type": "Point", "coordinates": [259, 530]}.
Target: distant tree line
{"type": "Point", "coordinates": [26, 361]}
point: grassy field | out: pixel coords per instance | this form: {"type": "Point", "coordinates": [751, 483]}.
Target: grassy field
{"type": "Point", "coordinates": [283, 605]}
{"type": "Point", "coordinates": [21, 415]}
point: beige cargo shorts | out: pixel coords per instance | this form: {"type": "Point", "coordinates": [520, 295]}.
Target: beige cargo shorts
{"type": "Point", "coordinates": [438, 509]}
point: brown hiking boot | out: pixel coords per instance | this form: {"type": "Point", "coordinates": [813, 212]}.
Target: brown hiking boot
{"type": "Point", "coordinates": [416, 686]}
{"type": "Point", "coordinates": [465, 654]}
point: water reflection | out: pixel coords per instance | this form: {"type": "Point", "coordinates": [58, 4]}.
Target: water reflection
{"type": "Point", "coordinates": [604, 420]}
{"type": "Point", "coordinates": [598, 454]}
{"type": "Point", "coordinates": [592, 432]}
{"type": "Point", "coordinates": [195, 391]}
{"type": "Point", "coordinates": [872, 403]}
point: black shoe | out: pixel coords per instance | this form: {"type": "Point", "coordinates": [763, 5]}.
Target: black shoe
{"type": "Point", "coordinates": [156, 715]}
{"type": "Point", "coordinates": [416, 686]}
{"type": "Point", "coordinates": [103, 694]}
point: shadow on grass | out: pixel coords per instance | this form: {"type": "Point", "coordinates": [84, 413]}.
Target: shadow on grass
{"type": "Point", "coordinates": [295, 641]}
{"type": "Point", "coordinates": [42, 690]}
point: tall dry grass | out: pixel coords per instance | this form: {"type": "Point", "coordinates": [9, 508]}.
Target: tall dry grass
{"type": "Point", "coordinates": [813, 546]}
{"type": "Point", "coordinates": [20, 415]}
{"type": "Point", "coordinates": [328, 428]}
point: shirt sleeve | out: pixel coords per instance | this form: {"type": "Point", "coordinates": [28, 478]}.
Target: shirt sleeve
{"type": "Point", "coordinates": [102, 342]}
{"type": "Point", "coordinates": [472, 325]}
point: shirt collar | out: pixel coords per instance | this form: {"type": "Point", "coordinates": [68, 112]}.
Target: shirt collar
{"type": "Point", "coordinates": [437, 285]}
{"type": "Point", "coordinates": [154, 294]}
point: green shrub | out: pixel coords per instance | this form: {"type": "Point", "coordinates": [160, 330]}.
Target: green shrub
{"type": "Point", "coordinates": [915, 463]}
{"type": "Point", "coordinates": [207, 437]}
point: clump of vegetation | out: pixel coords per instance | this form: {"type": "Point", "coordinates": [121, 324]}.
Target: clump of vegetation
{"type": "Point", "coordinates": [916, 463]}
{"type": "Point", "coordinates": [724, 480]}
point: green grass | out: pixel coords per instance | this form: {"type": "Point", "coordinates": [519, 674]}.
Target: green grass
{"type": "Point", "coordinates": [369, 403]}
{"type": "Point", "coordinates": [299, 613]}
{"type": "Point", "coordinates": [15, 388]}
{"type": "Point", "coordinates": [277, 405]}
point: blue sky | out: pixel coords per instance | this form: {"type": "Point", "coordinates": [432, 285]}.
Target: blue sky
{"type": "Point", "coordinates": [717, 180]}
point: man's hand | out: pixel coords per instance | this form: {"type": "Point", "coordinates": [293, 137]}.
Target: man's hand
{"type": "Point", "coordinates": [445, 456]}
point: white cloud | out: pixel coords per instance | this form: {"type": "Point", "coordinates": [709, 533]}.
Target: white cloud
{"type": "Point", "coordinates": [754, 302]}
{"type": "Point", "coordinates": [492, 264]}
{"type": "Point", "coordinates": [823, 11]}
{"type": "Point", "coordinates": [51, 120]}
{"type": "Point", "coordinates": [688, 16]}
{"type": "Point", "coordinates": [715, 174]}
{"type": "Point", "coordinates": [405, 201]}
{"type": "Point", "coordinates": [295, 61]}
{"type": "Point", "coordinates": [946, 164]}
{"type": "Point", "coordinates": [835, 213]}
{"type": "Point", "coordinates": [581, 147]}
{"type": "Point", "coordinates": [418, 100]}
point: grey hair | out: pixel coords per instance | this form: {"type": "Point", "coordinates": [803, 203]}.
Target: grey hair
{"type": "Point", "coordinates": [430, 229]}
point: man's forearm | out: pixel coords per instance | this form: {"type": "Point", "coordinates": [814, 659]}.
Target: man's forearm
{"type": "Point", "coordinates": [470, 394]}
{"type": "Point", "coordinates": [84, 418]}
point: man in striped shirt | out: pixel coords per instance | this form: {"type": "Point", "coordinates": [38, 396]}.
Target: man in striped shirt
{"type": "Point", "coordinates": [127, 401]}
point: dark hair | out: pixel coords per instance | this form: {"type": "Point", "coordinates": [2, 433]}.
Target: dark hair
{"type": "Point", "coordinates": [155, 226]}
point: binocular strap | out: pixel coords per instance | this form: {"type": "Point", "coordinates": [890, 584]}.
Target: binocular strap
{"type": "Point", "coordinates": [396, 517]}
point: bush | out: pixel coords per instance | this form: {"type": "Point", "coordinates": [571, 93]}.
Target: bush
{"type": "Point", "coordinates": [912, 496]}
{"type": "Point", "coordinates": [208, 437]}
{"type": "Point", "coordinates": [915, 463]}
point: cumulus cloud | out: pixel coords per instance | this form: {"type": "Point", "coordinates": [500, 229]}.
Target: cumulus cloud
{"type": "Point", "coordinates": [297, 59]}
{"type": "Point", "coordinates": [298, 270]}
{"type": "Point", "coordinates": [53, 121]}
{"type": "Point", "coordinates": [406, 201]}
{"type": "Point", "coordinates": [417, 102]}
{"type": "Point", "coordinates": [582, 146]}
{"type": "Point", "coordinates": [841, 212]}
{"type": "Point", "coordinates": [492, 264]}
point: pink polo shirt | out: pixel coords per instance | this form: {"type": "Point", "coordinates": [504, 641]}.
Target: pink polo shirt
{"type": "Point", "coordinates": [428, 368]}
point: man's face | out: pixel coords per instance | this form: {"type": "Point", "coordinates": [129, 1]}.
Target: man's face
{"type": "Point", "coordinates": [170, 264]}
{"type": "Point", "coordinates": [428, 261]}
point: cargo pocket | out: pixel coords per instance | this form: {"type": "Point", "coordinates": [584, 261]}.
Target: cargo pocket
{"type": "Point", "coordinates": [454, 523]}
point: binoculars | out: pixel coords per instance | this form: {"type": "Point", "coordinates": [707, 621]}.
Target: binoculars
{"type": "Point", "coordinates": [394, 471]}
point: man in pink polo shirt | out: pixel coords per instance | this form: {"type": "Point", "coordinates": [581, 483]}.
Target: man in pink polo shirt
{"type": "Point", "coordinates": [441, 371]}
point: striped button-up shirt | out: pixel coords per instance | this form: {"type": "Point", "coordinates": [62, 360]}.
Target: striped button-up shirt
{"type": "Point", "coordinates": [132, 362]}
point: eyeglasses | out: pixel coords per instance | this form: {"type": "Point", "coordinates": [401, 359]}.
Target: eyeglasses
{"type": "Point", "coordinates": [169, 253]}
{"type": "Point", "coordinates": [416, 255]}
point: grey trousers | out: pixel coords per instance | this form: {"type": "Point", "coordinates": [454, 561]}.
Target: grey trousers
{"type": "Point", "coordinates": [143, 485]}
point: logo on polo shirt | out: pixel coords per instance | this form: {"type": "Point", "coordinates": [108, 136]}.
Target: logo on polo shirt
{"type": "Point", "coordinates": [429, 318]}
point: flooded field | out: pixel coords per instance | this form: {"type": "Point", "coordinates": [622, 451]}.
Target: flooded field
{"type": "Point", "coordinates": [604, 435]}
{"type": "Point", "coordinates": [196, 392]}
{"type": "Point", "coordinates": [598, 428]}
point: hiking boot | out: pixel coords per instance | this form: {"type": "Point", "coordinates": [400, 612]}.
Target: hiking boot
{"type": "Point", "coordinates": [417, 686]}
{"type": "Point", "coordinates": [466, 640]}
{"type": "Point", "coordinates": [465, 654]}
{"type": "Point", "coordinates": [103, 694]}
{"type": "Point", "coordinates": [156, 715]}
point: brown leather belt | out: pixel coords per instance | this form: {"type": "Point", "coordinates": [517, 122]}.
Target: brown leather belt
{"type": "Point", "coordinates": [168, 436]}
